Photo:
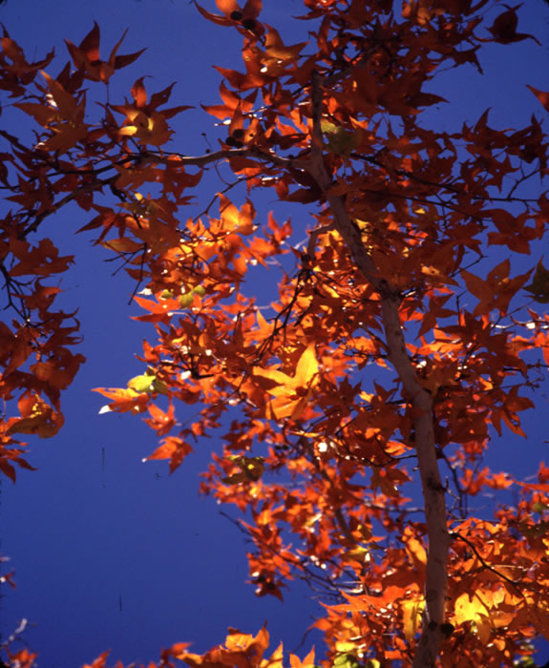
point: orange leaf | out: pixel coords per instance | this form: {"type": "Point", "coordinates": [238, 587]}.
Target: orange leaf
{"type": "Point", "coordinates": [172, 448]}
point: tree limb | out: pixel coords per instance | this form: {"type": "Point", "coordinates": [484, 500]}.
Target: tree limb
{"type": "Point", "coordinates": [420, 399]}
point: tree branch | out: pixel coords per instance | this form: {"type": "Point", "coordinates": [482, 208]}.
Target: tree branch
{"type": "Point", "coordinates": [421, 400]}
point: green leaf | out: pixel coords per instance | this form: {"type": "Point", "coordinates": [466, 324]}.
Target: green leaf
{"type": "Point", "coordinates": [187, 299]}
{"type": "Point", "coordinates": [345, 661]}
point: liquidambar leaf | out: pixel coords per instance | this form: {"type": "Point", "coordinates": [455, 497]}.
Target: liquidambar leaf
{"type": "Point", "coordinates": [142, 383]}
{"type": "Point", "coordinates": [339, 141]}
{"type": "Point", "coordinates": [539, 288]}
{"type": "Point", "coordinates": [187, 299]}
{"type": "Point", "coordinates": [469, 609]}
{"type": "Point", "coordinates": [251, 470]}
{"type": "Point", "coordinates": [411, 618]}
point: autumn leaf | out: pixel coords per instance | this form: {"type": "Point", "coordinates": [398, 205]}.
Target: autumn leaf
{"type": "Point", "coordinates": [542, 97]}
{"type": "Point", "coordinates": [124, 400]}
{"type": "Point", "coordinates": [467, 609]}
{"type": "Point", "coordinates": [412, 611]}
{"type": "Point", "coordinates": [37, 417]}
{"type": "Point", "coordinates": [307, 662]}
{"type": "Point", "coordinates": [497, 290]}
{"type": "Point", "coordinates": [143, 383]}
{"type": "Point", "coordinates": [251, 470]}
{"type": "Point", "coordinates": [339, 141]}
{"type": "Point", "coordinates": [86, 56]}
{"type": "Point", "coordinates": [504, 28]}
{"type": "Point", "coordinates": [172, 448]}
{"type": "Point", "coordinates": [288, 401]}
{"type": "Point", "coordinates": [539, 287]}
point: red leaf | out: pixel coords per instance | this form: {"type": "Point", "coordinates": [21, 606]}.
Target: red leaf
{"type": "Point", "coordinates": [542, 97]}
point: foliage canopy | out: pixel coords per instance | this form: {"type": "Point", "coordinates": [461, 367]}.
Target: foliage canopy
{"type": "Point", "coordinates": [401, 341]}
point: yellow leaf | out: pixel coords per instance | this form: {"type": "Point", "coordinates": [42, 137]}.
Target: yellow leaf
{"type": "Point", "coordinates": [142, 383]}
{"type": "Point", "coordinates": [345, 646]}
{"type": "Point", "coordinates": [276, 659]}
{"type": "Point", "coordinates": [358, 553]}
{"type": "Point", "coordinates": [414, 548]}
{"type": "Point", "coordinates": [307, 367]}
{"type": "Point", "coordinates": [288, 402]}
{"type": "Point", "coordinates": [469, 610]}
{"type": "Point", "coordinates": [411, 618]}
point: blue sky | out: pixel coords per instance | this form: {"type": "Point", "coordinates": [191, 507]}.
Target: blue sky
{"type": "Point", "coordinates": [111, 553]}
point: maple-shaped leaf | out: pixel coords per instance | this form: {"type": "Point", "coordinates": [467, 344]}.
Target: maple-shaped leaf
{"type": "Point", "coordinates": [147, 129]}
{"type": "Point", "coordinates": [469, 609]}
{"type": "Point", "coordinates": [10, 456]}
{"type": "Point", "coordinates": [339, 141]}
{"type": "Point", "coordinates": [233, 15]}
{"type": "Point", "coordinates": [18, 72]}
{"type": "Point", "coordinates": [539, 287]}
{"type": "Point", "coordinates": [307, 662]}
{"type": "Point", "coordinates": [24, 658]}
{"type": "Point", "coordinates": [143, 383]}
{"type": "Point", "coordinates": [123, 400]}
{"type": "Point", "coordinates": [276, 49]}
{"type": "Point", "coordinates": [142, 103]}
{"type": "Point", "coordinates": [504, 28]}
{"type": "Point", "coordinates": [37, 417]}
{"type": "Point", "coordinates": [496, 290]}
{"type": "Point", "coordinates": [241, 649]}
{"type": "Point", "coordinates": [251, 470]}
{"type": "Point", "coordinates": [388, 479]}
{"type": "Point", "coordinates": [173, 448]}
{"type": "Point", "coordinates": [143, 120]}
{"type": "Point", "coordinates": [86, 56]}
{"type": "Point", "coordinates": [64, 102]}
{"type": "Point", "coordinates": [542, 97]}
{"type": "Point", "coordinates": [288, 401]}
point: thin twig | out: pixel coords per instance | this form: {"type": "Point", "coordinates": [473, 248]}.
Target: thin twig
{"type": "Point", "coordinates": [514, 583]}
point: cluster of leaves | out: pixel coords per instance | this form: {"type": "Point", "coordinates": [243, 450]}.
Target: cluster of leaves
{"type": "Point", "coordinates": [369, 360]}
